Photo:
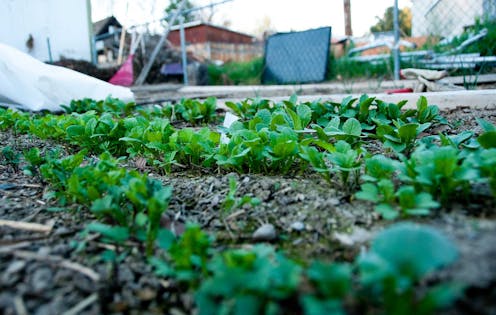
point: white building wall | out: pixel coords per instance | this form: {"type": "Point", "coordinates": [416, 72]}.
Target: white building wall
{"type": "Point", "coordinates": [66, 23]}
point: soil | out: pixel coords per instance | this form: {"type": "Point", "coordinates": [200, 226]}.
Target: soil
{"type": "Point", "coordinates": [62, 270]}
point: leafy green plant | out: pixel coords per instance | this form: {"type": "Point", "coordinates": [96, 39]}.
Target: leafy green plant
{"type": "Point", "coordinates": [439, 171]}
{"type": "Point", "coordinates": [190, 254]}
{"type": "Point", "coordinates": [232, 202]}
{"type": "Point", "coordinates": [428, 113]}
{"type": "Point", "coordinates": [196, 112]}
{"type": "Point", "coordinates": [196, 147]}
{"type": "Point", "coordinates": [332, 283]}
{"type": "Point", "coordinates": [350, 131]}
{"type": "Point", "coordinates": [393, 203]}
{"type": "Point", "coordinates": [380, 189]}
{"type": "Point", "coordinates": [10, 157]}
{"type": "Point", "coordinates": [97, 133]}
{"type": "Point", "coordinates": [402, 137]}
{"type": "Point", "coordinates": [10, 118]}
{"type": "Point", "coordinates": [485, 162]}
{"type": "Point", "coordinates": [109, 105]}
{"type": "Point", "coordinates": [248, 282]}
{"type": "Point", "coordinates": [57, 170]}
{"type": "Point", "coordinates": [488, 138]}
{"type": "Point", "coordinates": [345, 160]}
{"type": "Point", "coordinates": [34, 159]}
{"type": "Point", "coordinates": [339, 158]}
{"type": "Point", "coordinates": [398, 259]}
{"type": "Point", "coordinates": [150, 139]}
{"type": "Point", "coordinates": [247, 109]}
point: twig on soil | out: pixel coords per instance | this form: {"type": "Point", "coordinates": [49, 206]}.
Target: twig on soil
{"type": "Point", "coordinates": [19, 306]}
{"type": "Point", "coordinates": [31, 216]}
{"type": "Point", "coordinates": [10, 248]}
{"type": "Point", "coordinates": [235, 214]}
{"type": "Point", "coordinates": [34, 227]}
{"type": "Point", "coordinates": [76, 309]}
{"type": "Point", "coordinates": [27, 240]}
{"type": "Point", "coordinates": [228, 229]}
{"type": "Point", "coordinates": [31, 185]}
{"type": "Point", "coordinates": [57, 260]}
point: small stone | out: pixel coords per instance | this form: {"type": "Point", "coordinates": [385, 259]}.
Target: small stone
{"type": "Point", "coordinates": [12, 274]}
{"type": "Point", "coordinates": [146, 294]}
{"type": "Point", "coordinates": [334, 201]}
{"type": "Point", "coordinates": [297, 226]}
{"type": "Point", "coordinates": [357, 236]}
{"type": "Point", "coordinates": [266, 232]}
{"type": "Point", "coordinates": [42, 279]}
{"type": "Point", "coordinates": [16, 266]}
{"type": "Point", "coordinates": [125, 274]}
{"type": "Point", "coordinates": [44, 251]}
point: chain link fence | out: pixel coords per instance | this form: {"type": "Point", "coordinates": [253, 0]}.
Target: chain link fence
{"type": "Point", "coordinates": [454, 35]}
{"type": "Point", "coordinates": [449, 18]}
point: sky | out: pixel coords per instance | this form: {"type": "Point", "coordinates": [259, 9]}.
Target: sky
{"type": "Point", "coordinates": [248, 16]}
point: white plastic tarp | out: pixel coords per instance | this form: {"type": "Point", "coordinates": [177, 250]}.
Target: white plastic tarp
{"type": "Point", "coordinates": [30, 84]}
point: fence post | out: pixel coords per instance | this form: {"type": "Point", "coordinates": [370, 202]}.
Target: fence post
{"type": "Point", "coordinates": [146, 69]}
{"type": "Point", "coordinates": [183, 50]}
{"type": "Point", "coordinates": [396, 49]}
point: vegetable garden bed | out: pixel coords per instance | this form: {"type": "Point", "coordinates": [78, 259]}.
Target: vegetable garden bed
{"type": "Point", "coordinates": [297, 208]}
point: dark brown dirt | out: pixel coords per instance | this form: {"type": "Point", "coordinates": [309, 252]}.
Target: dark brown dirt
{"type": "Point", "coordinates": [312, 220]}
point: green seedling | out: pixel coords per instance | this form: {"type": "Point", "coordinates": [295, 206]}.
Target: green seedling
{"type": "Point", "coordinates": [398, 259]}
{"type": "Point", "coordinates": [248, 108]}
{"type": "Point", "coordinates": [428, 113]}
{"type": "Point", "coordinates": [248, 282]}
{"type": "Point", "coordinates": [194, 147]}
{"type": "Point", "coordinates": [189, 255]}
{"type": "Point", "coordinates": [402, 137]}
{"type": "Point", "coordinates": [488, 138]}
{"type": "Point", "coordinates": [332, 283]}
{"type": "Point", "coordinates": [345, 160]}
{"type": "Point", "coordinates": [196, 112]}
{"type": "Point", "coordinates": [350, 131]}
{"type": "Point", "coordinates": [109, 105]}
{"type": "Point", "coordinates": [34, 159]}
{"type": "Point", "coordinates": [439, 171]}
{"type": "Point", "coordinates": [10, 157]}
{"type": "Point", "coordinates": [485, 162]}
{"type": "Point", "coordinates": [231, 202]}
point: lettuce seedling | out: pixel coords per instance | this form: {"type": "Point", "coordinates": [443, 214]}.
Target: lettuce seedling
{"type": "Point", "coordinates": [248, 108]}
{"type": "Point", "coordinates": [400, 257]}
{"type": "Point", "coordinates": [109, 105]}
{"type": "Point", "coordinates": [34, 159]}
{"type": "Point", "coordinates": [332, 283]}
{"type": "Point", "coordinates": [428, 113]}
{"type": "Point", "coordinates": [440, 171]}
{"type": "Point", "coordinates": [345, 160]}
{"type": "Point", "coordinates": [196, 147]}
{"type": "Point", "coordinates": [485, 162]}
{"type": "Point", "coordinates": [248, 282]}
{"type": "Point", "coordinates": [402, 137]}
{"type": "Point", "coordinates": [189, 255]}
{"type": "Point", "coordinates": [316, 159]}
{"type": "Point", "coordinates": [350, 131]}
{"type": "Point", "coordinates": [195, 111]}
{"type": "Point", "coordinates": [488, 138]}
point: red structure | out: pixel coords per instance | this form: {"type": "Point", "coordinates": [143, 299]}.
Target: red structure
{"type": "Point", "coordinates": [200, 32]}
{"type": "Point", "coordinates": [210, 42]}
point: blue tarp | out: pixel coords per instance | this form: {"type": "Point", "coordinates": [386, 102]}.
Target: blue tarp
{"type": "Point", "coordinates": [297, 57]}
